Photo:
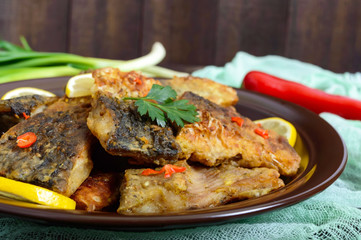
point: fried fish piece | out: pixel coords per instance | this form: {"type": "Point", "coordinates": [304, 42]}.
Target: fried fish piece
{"type": "Point", "coordinates": [123, 132]}
{"type": "Point", "coordinates": [196, 188]}
{"type": "Point", "coordinates": [60, 158]}
{"type": "Point", "coordinates": [12, 111]}
{"type": "Point", "coordinates": [216, 139]}
{"type": "Point", "coordinates": [120, 84]}
{"type": "Point", "coordinates": [215, 92]}
{"type": "Point", "coordinates": [99, 191]}
{"type": "Point", "coordinates": [118, 125]}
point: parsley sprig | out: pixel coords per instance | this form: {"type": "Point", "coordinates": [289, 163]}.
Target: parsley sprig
{"type": "Point", "coordinates": [160, 105]}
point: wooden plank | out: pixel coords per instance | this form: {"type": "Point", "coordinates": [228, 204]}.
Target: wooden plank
{"type": "Point", "coordinates": [185, 27]}
{"type": "Point", "coordinates": [193, 31]}
{"type": "Point", "coordinates": [107, 29]}
{"type": "Point", "coordinates": [157, 25]}
{"type": "Point", "coordinates": [326, 33]}
{"type": "Point", "coordinates": [257, 27]}
{"type": "Point", "coordinates": [43, 23]}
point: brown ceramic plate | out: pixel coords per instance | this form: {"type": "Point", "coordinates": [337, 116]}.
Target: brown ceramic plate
{"type": "Point", "coordinates": [323, 154]}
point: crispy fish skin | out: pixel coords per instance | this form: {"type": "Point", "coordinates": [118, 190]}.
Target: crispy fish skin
{"type": "Point", "coordinates": [11, 110]}
{"type": "Point", "coordinates": [123, 132]}
{"type": "Point", "coordinates": [60, 158]}
{"type": "Point", "coordinates": [100, 190]}
{"type": "Point", "coordinates": [215, 92]}
{"type": "Point", "coordinates": [196, 188]}
{"type": "Point", "coordinates": [216, 139]}
{"type": "Point", "coordinates": [119, 127]}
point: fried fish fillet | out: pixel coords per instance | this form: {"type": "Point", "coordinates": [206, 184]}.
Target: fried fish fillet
{"type": "Point", "coordinates": [123, 132]}
{"type": "Point", "coordinates": [197, 187]}
{"type": "Point", "coordinates": [216, 139]}
{"type": "Point", "coordinates": [99, 191]}
{"type": "Point", "coordinates": [215, 92]}
{"type": "Point", "coordinates": [120, 84]}
{"type": "Point", "coordinates": [60, 158]}
{"type": "Point", "coordinates": [12, 111]}
{"type": "Point", "coordinates": [118, 125]}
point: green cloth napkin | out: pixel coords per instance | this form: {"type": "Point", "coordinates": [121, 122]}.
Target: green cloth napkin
{"type": "Point", "coordinates": [331, 214]}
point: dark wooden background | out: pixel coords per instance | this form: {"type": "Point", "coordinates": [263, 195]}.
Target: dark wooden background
{"type": "Point", "coordinates": [195, 32]}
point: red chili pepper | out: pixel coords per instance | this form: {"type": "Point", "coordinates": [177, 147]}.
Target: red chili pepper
{"type": "Point", "coordinates": [262, 132]}
{"type": "Point", "coordinates": [25, 115]}
{"type": "Point", "coordinates": [168, 170]}
{"type": "Point", "coordinates": [26, 140]}
{"type": "Point", "coordinates": [313, 99]}
{"type": "Point", "coordinates": [238, 120]}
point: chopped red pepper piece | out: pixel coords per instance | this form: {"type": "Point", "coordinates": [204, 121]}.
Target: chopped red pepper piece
{"type": "Point", "coordinates": [25, 115]}
{"type": "Point", "coordinates": [262, 132]}
{"type": "Point", "coordinates": [238, 120]}
{"type": "Point", "coordinates": [138, 81]}
{"type": "Point", "coordinates": [26, 140]}
{"type": "Point", "coordinates": [149, 171]}
{"type": "Point", "coordinates": [168, 170]}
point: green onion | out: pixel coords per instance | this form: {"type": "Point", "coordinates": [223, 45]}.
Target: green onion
{"type": "Point", "coordinates": [39, 72]}
{"type": "Point", "coordinates": [156, 71]}
{"type": "Point", "coordinates": [21, 63]}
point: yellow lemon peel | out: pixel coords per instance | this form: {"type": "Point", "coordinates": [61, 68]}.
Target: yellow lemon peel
{"type": "Point", "coordinates": [34, 194]}
{"type": "Point", "coordinates": [24, 91]}
{"type": "Point", "coordinates": [281, 127]}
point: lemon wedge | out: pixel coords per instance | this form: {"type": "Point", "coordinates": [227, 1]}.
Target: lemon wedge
{"type": "Point", "coordinates": [23, 91]}
{"type": "Point", "coordinates": [79, 85]}
{"type": "Point", "coordinates": [281, 127]}
{"type": "Point", "coordinates": [30, 193]}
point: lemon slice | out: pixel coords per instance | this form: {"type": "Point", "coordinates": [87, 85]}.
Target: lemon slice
{"type": "Point", "coordinates": [30, 193]}
{"type": "Point", "coordinates": [79, 85]}
{"type": "Point", "coordinates": [281, 127]}
{"type": "Point", "coordinates": [23, 91]}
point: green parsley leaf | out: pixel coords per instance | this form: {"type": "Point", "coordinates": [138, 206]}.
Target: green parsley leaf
{"type": "Point", "coordinates": [160, 105]}
{"type": "Point", "coordinates": [145, 107]}
{"type": "Point", "coordinates": [161, 94]}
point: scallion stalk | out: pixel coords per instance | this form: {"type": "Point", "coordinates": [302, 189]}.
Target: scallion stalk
{"type": "Point", "coordinates": [158, 71]}
{"type": "Point", "coordinates": [21, 63]}
{"type": "Point", "coordinates": [39, 72]}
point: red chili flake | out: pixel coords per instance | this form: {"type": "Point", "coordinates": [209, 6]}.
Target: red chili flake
{"type": "Point", "coordinates": [168, 170]}
{"type": "Point", "coordinates": [238, 120]}
{"type": "Point", "coordinates": [26, 140]}
{"type": "Point", "coordinates": [25, 115]}
{"type": "Point", "coordinates": [138, 81]}
{"type": "Point", "coordinates": [259, 124]}
{"type": "Point", "coordinates": [262, 132]}
{"type": "Point", "coordinates": [149, 171]}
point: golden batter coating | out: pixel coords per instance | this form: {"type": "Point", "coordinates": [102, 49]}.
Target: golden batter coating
{"type": "Point", "coordinates": [120, 84]}
{"type": "Point", "coordinates": [216, 139]}
{"type": "Point", "coordinates": [215, 92]}
{"type": "Point", "coordinates": [196, 188]}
